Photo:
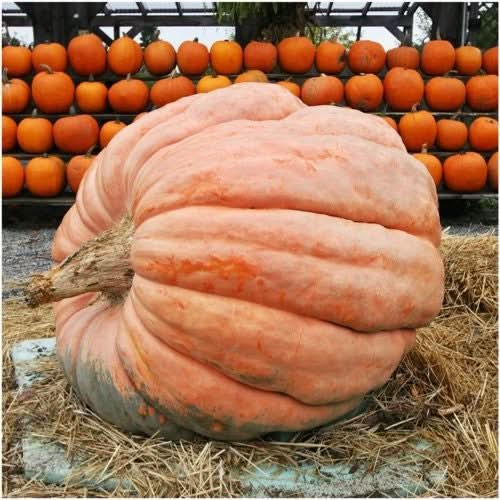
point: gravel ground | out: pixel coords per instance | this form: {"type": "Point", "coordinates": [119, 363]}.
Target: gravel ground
{"type": "Point", "coordinates": [27, 235]}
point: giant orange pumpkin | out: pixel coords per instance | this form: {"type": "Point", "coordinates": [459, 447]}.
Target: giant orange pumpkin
{"type": "Point", "coordinates": [493, 171]}
{"type": "Point", "coordinates": [260, 55]}
{"type": "Point", "coordinates": [330, 57]}
{"type": "Point", "coordinates": [76, 134]}
{"type": "Point", "coordinates": [12, 176]}
{"type": "Point", "coordinates": [403, 57]}
{"type": "Point", "coordinates": [128, 96]}
{"type": "Point", "coordinates": [87, 55]}
{"type": "Point", "coordinates": [366, 56]}
{"type": "Point", "coordinates": [482, 92]}
{"type": "Point", "coordinates": [125, 56]}
{"type": "Point", "coordinates": [296, 54]}
{"type": "Point", "coordinates": [451, 134]}
{"type": "Point", "coordinates": [483, 134]}
{"type": "Point", "coordinates": [53, 91]}
{"type": "Point", "coordinates": [171, 89]}
{"type": "Point", "coordinates": [322, 90]}
{"type": "Point", "coordinates": [490, 61]}
{"type": "Point", "coordinates": [226, 57]}
{"type": "Point", "coordinates": [465, 172]}
{"type": "Point", "coordinates": [418, 129]}
{"type": "Point", "coordinates": [160, 57]}
{"type": "Point", "coordinates": [15, 94]}
{"type": "Point", "coordinates": [467, 60]}
{"type": "Point", "coordinates": [34, 134]}
{"type": "Point", "coordinates": [91, 96]}
{"type": "Point", "coordinates": [315, 288]}
{"type": "Point", "coordinates": [438, 57]}
{"type": "Point", "coordinates": [45, 176]}
{"type": "Point", "coordinates": [16, 60]}
{"type": "Point", "coordinates": [364, 92]}
{"type": "Point", "coordinates": [403, 88]}
{"type": "Point", "coordinates": [76, 169]}
{"type": "Point", "coordinates": [109, 130]}
{"type": "Point", "coordinates": [9, 133]}
{"type": "Point", "coordinates": [444, 93]}
{"type": "Point", "coordinates": [192, 57]}
{"type": "Point", "coordinates": [51, 54]}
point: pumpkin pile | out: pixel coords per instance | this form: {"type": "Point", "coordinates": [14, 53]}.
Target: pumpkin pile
{"type": "Point", "coordinates": [267, 292]}
{"type": "Point", "coordinates": [439, 79]}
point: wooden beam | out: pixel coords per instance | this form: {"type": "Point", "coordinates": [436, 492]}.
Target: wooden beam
{"type": "Point", "coordinates": [178, 7]}
{"type": "Point", "coordinates": [141, 8]}
{"type": "Point", "coordinates": [330, 6]}
{"type": "Point", "coordinates": [134, 31]}
{"type": "Point", "coordinates": [102, 35]}
{"type": "Point", "coordinates": [403, 8]}
{"type": "Point", "coordinates": [400, 35]}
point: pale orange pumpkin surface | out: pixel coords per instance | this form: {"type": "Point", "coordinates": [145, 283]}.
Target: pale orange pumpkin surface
{"type": "Point", "coordinates": [282, 256]}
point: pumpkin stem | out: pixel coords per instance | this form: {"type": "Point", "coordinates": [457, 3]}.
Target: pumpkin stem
{"type": "Point", "coordinates": [195, 39]}
{"type": "Point", "coordinates": [424, 148]}
{"type": "Point", "coordinates": [128, 76]}
{"type": "Point", "coordinates": [100, 265]}
{"type": "Point", "coordinates": [47, 68]}
{"type": "Point", "coordinates": [414, 107]}
{"type": "Point", "coordinates": [88, 154]}
{"type": "Point", "coordinates": [5, 77]}
{"type": "Point", "coordinates": [91, 77]}
{"type": "Point", "coordinates": [34, 113]}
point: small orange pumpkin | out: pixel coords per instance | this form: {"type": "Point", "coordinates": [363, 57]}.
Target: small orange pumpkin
{"type": "Point", "coordinates": [451, 134]}
{"type": "Point", "coordinates": [109, 130]}
{"type": "Point", "coordinates": [15, 94]}
{"type": "Point", "coordinates": [482, 92]}
{"type": "Point", "coordinates": [212, 82]}
{"type": "Point", "coordinates": [493, 172]}
{"type": "Point", "coordinates": [490, 61]}
{"type": "Point", "coordinates": [125, 56]}
{"type": "Point", "coordinates": [465, 172]}
{"type": "Point", "coordinates": [483, 134]}
{"type": "Point", "coordinates": [366, 56]}
{"type": "Point", "coordinates": [467, 60]}
{"type": "Point", "coordinates": [403, 88]}
{"type": "Point", "coordinates": [438, 57]}
{"type": "Point", "coordinates": [53, 92]}
{"type": "Point", "coordinates": [76, 134]}
{"type": "Point", "coordinates": [403, 57]}
{"type": "Point", "coordinates": [322, 90]}
{"type": "Point", "coordinates": [416, 129]}
{"type": "Point", "coordinates": [128, 96]}
{"type": "Point", "coordinates": [91, 96]}
{"type": "Point", "coordinates": [364, 92]}
{"type": "Point", "coordinates": [9, 133]}
{"type": "Point", "coordinates": [87, 55]}
{"type": "Point", "coordinates": [50, 54]}
{"type": "Point", "coordinates": [192, 57]}
{"type": "Point", "coordinates": [296, 54]}
{"type": "Point", "coordinates": [171, 89]}
{"type": "Point", "coordinates": [17, 60]}
{"type": "Point", "coordinates": [392, 122]}
{"type": "Point", "coordinates": [261, 56]}
{"type": "Point", "coordinates": [160, 57]}
{"type": "Point", "coordinates": [77, 167]}
{"type": "Point", "coordinates": [330, 57]}
{"type": "Point", "coordinates": [293, 87]}
{"type": "Point", "coordinates": [12, 176]}
{"type": "Point", "coordinates": [443, 93]}
{"type": "Point", "coordinates": [45, 176]}
{"type": "Point", "coordinates": [34, 134]}
{"type": "Point", "coordinates": [252, 75]}
{"type": "Point", "coordinates": [226, 57]}
{"type": "Point", "coordinates": [432, 164]}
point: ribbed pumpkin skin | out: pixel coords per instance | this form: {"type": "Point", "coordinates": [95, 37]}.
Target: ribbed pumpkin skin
{"type": "Point", "coordinates": [281, 253]}
{"type": "Point", "coordinates": [9, 131]}
{"type": "Point", "coordinates": [87, 55]}
{"type": "Point", "coordinates": [52, 54]}
{"type": "Point", "coordinates": [403, 88]}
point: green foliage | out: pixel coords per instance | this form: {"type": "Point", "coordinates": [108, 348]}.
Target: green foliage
{"type": "Point", "coordinates": [318, 33]}
{"type": "Point", "coordinates": [148, 34]}
{"type": "Point", "coordinates": [487, 36]}
{"type": "Point", "coordinates": [8, 39]}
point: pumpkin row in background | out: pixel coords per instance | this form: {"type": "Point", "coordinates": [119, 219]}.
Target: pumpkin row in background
{"type": "Point", "coordinates": [87, 55]}
{"type": "Point", "coordinates": [54, 92]}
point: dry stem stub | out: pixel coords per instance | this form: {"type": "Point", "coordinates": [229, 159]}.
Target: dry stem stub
{"type": "Point", "coordinates": [100, 265]}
